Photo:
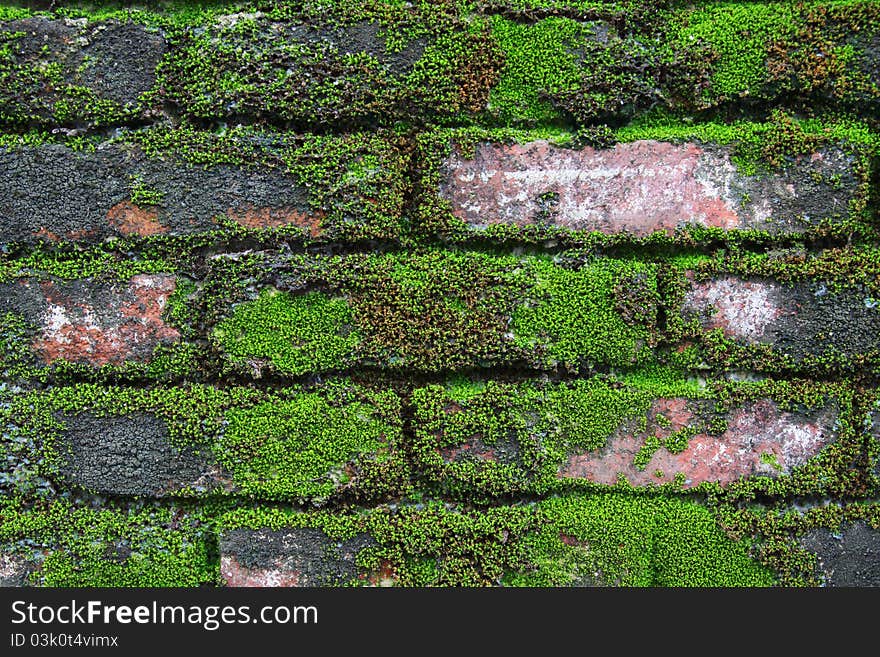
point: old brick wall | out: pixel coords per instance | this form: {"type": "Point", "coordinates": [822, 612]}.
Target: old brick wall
{"type": "Point", "coordinates": [532, 292]}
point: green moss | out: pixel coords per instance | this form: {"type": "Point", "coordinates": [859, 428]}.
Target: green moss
{"type": "Point", "coordinates": [636, 541]}
{"type": "Point", "coordinates": [770, 459]}
{"type": "Point", "coordinates": [590, 9]}
{"type": "Point", "coordinates": [296, 334]}
{"type": "Point", "coordinates": [758, 145]}
{"type": "Point", "coordinates": [142, 195]}
{"type": "Point", "coordinates": [431, 310]}
{"type": "Point", "coordinates": [562, 70]}
{"type": "Point", "coordinates": [539, 59]}
{"type": "Point", "coordinates": [15, 339]}
{"type": "Point", "coordinates": [304, 448]}
{"type": "Point", "coordinates": [409, 57]}
{"type": "Point", "coordinates": [353, 184]}
{"type": "Point", "coordinates": [772, 51]}
{"type": "Point", "coordinates": [441, 310]}
{"type": "Point", "coordinates": [80, 546]}
{"type": "Point", "coordinates": [291, 444]}
{"type": "Point", "coordinates": [79, 264]}
{"type": "Point", "coordinates": [506, 438]}
{"type": "Point", "coordinates": [35, 89]}
{"type": "Point", "coordinates": [576, 317]}
{"type": "Point", "coordinates": [739, 36]}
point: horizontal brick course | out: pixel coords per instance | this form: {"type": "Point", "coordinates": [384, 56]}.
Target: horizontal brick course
{"type": "Point", "coordinates": [52, 193]}
{"type": "Point", "coordinates": [298, 445]}
{"type": "Point", "coordinates": [642, 187]}
{"type": "Point", "coordinates": [759, 440]}
{"type": "Point", "coordinates": [534, 437]}
{"type": "Point", "coordinates": [439, 311]}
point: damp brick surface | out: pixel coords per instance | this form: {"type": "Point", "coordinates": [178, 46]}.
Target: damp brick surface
{"type": "Point", "coordinates": [532, 293]}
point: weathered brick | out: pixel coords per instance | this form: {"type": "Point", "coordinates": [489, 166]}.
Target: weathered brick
{"type": "Point", "coordinates": [849, 556]}
{"type": "Point", "coordinates": [338, 441]}
{"type": "Point", "coordinates": [641, 187]}
{"type": "Point", "coordinates": [75, 544]}
{"type": "Point", "coordinates": [564, 65]}
{"type": "Point", "coordinates": [496, 438]}
{"type": "Point", "coordinates": [342, 70]}
{"type": "Point", "coordinates": [94, 323]}
{"type": "Point", "coordinates": [53, 193]}
{"type": "Point", "coordinates": [799, 319]}
{"type": "Point", "coordinates": [132, 455]}
{"type": "Point", "coordinates": [760, 440]}
{"type": "Point", "coordinates": [61, 194]}
{"type": "Point", "coordinates": [565, 540]}
{"type": "Point", "coordinates": [291, 557]}
{"type": "Point", "coordinates": [439, 311]}
{"type": "Point", "coordinates": [874, 431]}
{"type": "Point", "coordinates": [76, 72]}
{"type": "Point", "coordinates": [14, 569]}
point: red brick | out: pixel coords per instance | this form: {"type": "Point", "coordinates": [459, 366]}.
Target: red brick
{"type": "Point", "coordinates": [130, 219]}
{"type": "Point", "coordinates": [637, 188]}
{"type": "Point", "coordinates": [753, 430]}
{"type": "Point", "coordinates": [742, 309]}
{"type": "Point", "coordinates": [109, 326]}
{"type": "Point", "coordinates": [254, 217]}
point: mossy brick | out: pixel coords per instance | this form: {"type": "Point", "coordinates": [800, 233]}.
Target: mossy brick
{"type": "Point", "coordinates": [89, 321]}
{"type": "Point", "coordinates": [336, 441]}
{"type": "Point", "coordinates": [76, 544]}
{"type": "Point", "coordinates": [346, 70]}
{"type": "Point", "coordinates": [570, 540]}
{"type": "Point", "coordinates": [437, 311]}
{"type": "Point", "coordinates": [806, 55]}
{"type": "Point", "coordinates": [132, 455]}
{"type": "Point", "coordinates": [14, 570]}
{"type": "Point", "coordinates": [567, 67]}
{"type": "Point", "coordinates": [622, 12]}
{"type": "Point", "coordinates": [802, 323]}
{"type": "Point", "coordinates": [351, 65]}
{"type": "Point", "coordinates": [176, 183]}
{"type": "Point", "coordinates": [487, 439]}
{"type": "Point", "coordinates": [76, 73]}
{"type": "Point", "coordinates": [560, 70]}
{"type": "Point", "coordinates": [642, 187]}
{"type": "Point", "coordinates": [758, 439]}
{"type": "Point", "coordinates": [626, 540]}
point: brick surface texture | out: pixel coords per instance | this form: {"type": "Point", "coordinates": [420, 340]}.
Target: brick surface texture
{"type": "Point", "coordinates": [514, 293]}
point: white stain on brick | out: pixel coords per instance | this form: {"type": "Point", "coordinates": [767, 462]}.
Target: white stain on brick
{"type": "Point", "coordinates": [742, 309]}
{"type": "Point", "coordinates": [639, 187]}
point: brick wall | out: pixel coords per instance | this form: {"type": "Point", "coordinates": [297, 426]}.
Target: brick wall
{"type": "Point", "coordinates": [535, 292]}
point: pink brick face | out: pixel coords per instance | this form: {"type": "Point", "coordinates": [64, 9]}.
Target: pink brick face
{"type": "Point", "coordinates": [638, 187]}
{"type": "Point", "coordinates": [760, 439]}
